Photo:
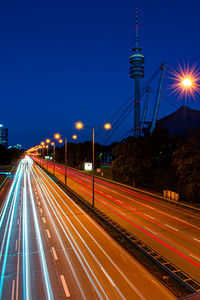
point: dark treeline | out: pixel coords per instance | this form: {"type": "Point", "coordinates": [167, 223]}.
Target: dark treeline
{"type": "Point", "coordinates": [160, 162]}
{"type": "Point", "coordinates": [9, 156]}
{"type": "Point", "coordinates": [155, 162]}
{"type": "Point", "coordinates": [78, 153]}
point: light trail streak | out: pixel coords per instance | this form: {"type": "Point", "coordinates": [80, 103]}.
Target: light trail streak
{"type": "Point", "coordinates": [107, 256]}
{"type": "Point", "coordinates": [3, 212]}
{"type": "Point", "coordinates": [10, 218]}
{"type": "Point", "coordinates": [56, 213]}
{"type": "Point", "coordinates": [43, 263]}
{"type": "Point", "coordinates": [131, 208]}
{"type": "Point", "coordinates": [26, 269]}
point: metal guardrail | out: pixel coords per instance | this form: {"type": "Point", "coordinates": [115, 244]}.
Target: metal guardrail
{"type": "Point", "coordinates": [183, 278]}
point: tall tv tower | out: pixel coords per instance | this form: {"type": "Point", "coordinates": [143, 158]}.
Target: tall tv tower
{"type": "Point", "coordinates": [137, 72]}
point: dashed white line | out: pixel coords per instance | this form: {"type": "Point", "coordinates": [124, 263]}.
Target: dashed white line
{"type": "Point", "coordinates": [194, 256]}
{"type": "Point", "coordinates": [171, 227]}
{"type": "Point", "coordinates": [18, 222]}
{"type": "Point", "coordinates": [44, 220]}
{"type": "Point", "coordinates": [110, 279]}
{"type": "Point", "coordinates": [38, 202]}
{"type": "Point", "coordinates": [151, 230]}
{"type": "Point", "coordinates": [16, 243]}
{"type": "Point", "coordinates": [54, 253]}
{"type": "Point", "coordinates": [48, 233]}
{"type": "Point", "coordinates": [149, 216]}
{"type": "Point", "coordinates": [13, 289]}
{"type": "Point", "coordinates": [196, 240]}
{"type": "Point", "coordinates": [67, 294]}
{"type": "Point", "coordinates": [41, 210]}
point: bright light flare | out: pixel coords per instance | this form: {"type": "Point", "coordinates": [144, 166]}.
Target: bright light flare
{"type": "Point", "coordinates": [42, 143]}
{"type": "Point", "coordinates": [186, 81]}
{"type": "Point", "coordinates": [48, 141]}
{"type": "Point", "coordinates": [60, 141]}
{"type": "Point", "coordinates": [74, 136]}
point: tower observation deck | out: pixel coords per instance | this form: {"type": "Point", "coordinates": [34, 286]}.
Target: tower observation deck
{"type": "Point", "coordinates": [136, 73]}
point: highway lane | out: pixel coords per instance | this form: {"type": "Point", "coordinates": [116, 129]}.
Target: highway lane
{"type": "Point", "coordinates": [51, 249]}
{"type": "Point", "coordinates": [172, 231]}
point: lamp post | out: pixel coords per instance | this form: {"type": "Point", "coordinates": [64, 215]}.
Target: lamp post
{"type": "Point", "coordinates": [53, 144]}
{"type": "Point", "coordinates": [48, 142]}
{"type": "Point", "coordinates": [107, 126]}
{"type": "Point", "coordinates": [74, 137]}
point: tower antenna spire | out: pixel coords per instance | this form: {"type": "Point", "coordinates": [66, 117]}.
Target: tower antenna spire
{"type": "Point", "coordinates": [136, 29]}
{"type": "Point", "coordinates": [137, 73]}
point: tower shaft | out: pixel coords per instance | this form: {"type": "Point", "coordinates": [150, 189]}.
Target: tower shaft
{"type": "Point", "coordinates": [136, 73]}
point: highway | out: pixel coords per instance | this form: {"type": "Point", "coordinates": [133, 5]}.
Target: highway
{"type": "Point", "coordinates": [172, 231]}
{"type": "Point", "coordinates": [51, 249]}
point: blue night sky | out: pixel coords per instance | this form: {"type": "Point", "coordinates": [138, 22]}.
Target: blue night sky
{"type": "Point", "coordinates": [64, 61]}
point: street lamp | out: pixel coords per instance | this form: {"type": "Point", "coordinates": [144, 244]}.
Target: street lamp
{"type": "Point", "coordinates": [58, 136]}
{"type": "Point", "coordinates": [80, 125]}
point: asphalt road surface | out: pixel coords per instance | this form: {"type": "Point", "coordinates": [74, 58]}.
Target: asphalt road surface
{"type": "Point", "coordinates": [172, 231]}
{"type": "Point", "coordinates": [51, 249]}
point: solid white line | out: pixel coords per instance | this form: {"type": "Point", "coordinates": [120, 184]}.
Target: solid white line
{"type": "Point", "coordinates": [196, 240]}
{"type": "Point", "coordinates": [67, 294]}
{"type": "Point", "coordinates": [13, 290]}
{"type": "Point", "coordinates": [149, 216]}
{"type": "Point", "coordinates": [194, 256]}
{"type": "Point", "coordinates": [54, 253]}
{"type": "Point", "coordinates": [171, 227]}
{"type": "Point", "coordinates": [48, 233]}
{"type": "Point", "coordinates": [16, 245]}
{"type": "Point", "coordinates": [151, 230]}
{"type": "Point", "coordinates": [44, 220]}
{"type": "Point", "coordinates": [110, 279]}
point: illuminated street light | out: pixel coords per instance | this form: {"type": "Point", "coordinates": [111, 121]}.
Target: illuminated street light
{"type": "Point", "coordinates": [60, 141]}
{"type": "Point", "coordinates": [57, 136]}
{"type": "Point", "coordinates": [74, 136]}
{"type": "Point", "coordinates": [107, 126]}
{"type": "Point", "coordinates": [48, 141]}
{"type": "Point", "coordinates": [79, 125]}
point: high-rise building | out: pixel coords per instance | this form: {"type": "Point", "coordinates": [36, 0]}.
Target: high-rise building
{"type": "Point", "coordinates": [3, 135]}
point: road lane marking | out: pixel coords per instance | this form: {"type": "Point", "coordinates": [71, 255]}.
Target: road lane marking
{"type": "Point", "coordinates": [196, 240]}
{"type": "Point", "coordinates": [67, 294]}
{"type": "Point", "coordinates": [48, 233]}
{"type": "Point", "coordinates": [13, 290]}
{"type": "Point", "coordinates": [171, 227]}
{"type": "Point", "coordinates": [44, 220]}
{"type": "Point", "coordinates": [41, 210]}
{"type": "Point", "coordinates": [151, 230]}
{"type": "Point", "coordinates": [54, 253]}
{"type": "Point", "coordinates": [109, 278]}
{"type": "Point", "coordinates": [16, 245]}
{"type": "Point", "coordinates": [38, 202]}
{"type": "Point", "coordinates": [18, 222]}
{"type": "Point", "coordinates": [149, 216]}
{"type": "Point", "coordinates": [109, 196]}
{"type": "Point", "coordinates": [194, 256]}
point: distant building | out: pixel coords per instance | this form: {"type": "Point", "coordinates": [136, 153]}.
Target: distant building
{"type": "Point", "coordinates": [180, 122]}
{"type": "Point", "coordinates": [3, 135]}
